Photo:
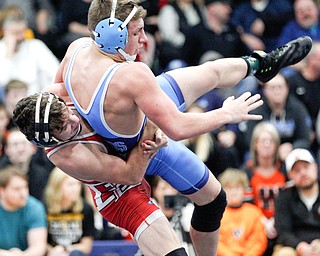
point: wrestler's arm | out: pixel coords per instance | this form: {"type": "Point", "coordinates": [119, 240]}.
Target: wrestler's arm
{"type": "Point", "coordinates": [158, 107]}
{"type": "Point", "coordinates": [89, 161]}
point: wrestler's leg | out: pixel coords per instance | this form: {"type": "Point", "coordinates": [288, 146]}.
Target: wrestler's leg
{"type": "Point", "coordinates": [227, 72]}
{"type": "Point", "coordinates": [184, 171]}
{"type": "Point", "coordinates": [206, 243]}
{"type": "Point", "coordinates": [198, 80]}
{"type": "Point", "coordinates": [159, 239]}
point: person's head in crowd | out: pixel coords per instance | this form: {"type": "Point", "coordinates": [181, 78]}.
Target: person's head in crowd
{"type": "Point", "coordinates": [306, 13]}
{"type": "Point", "coordinates": [311, 70]}
{"type": "Point", "coordinates": [220, 9]}
{"type": "Point", "coordinates": [4, 120]}
{"type": "Point", "coordinates": [63, 193]}
{"type": "Point", "coordinates": [14, 190]}
{"type": "Point", "coordinates": [276, 91]}
{"type": "Point", "coordinates": [19, 150]}
{"type": "Point", "coordinates": [15, 27]}
{"type": "Point", "coordinates": [235, 182]}
{"type": "Point", "coordinates": [12, 10]}
{"type": "Point", "coordinates": [265, 142]}
{"type": "Point", "coordinates": [302, 169]}
{"type": "Point", "coordinates": [159, 190]}
{"type": "Point", "coordinates": [15, 90]}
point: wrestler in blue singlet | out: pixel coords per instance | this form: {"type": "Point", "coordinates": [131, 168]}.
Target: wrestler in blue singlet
{"type": "Point", "coordinates": [176, 164]}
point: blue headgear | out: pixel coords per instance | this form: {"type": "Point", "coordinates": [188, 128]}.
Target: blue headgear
{"type": "Point", "coordinates": [111, 34]}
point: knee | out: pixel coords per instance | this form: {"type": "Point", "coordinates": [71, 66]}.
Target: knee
{"type": "Point", "coordinates": [207, 218]}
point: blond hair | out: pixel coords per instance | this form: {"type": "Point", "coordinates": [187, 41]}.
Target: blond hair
{"type": "Point", "coordinates": [53, 193]}
{"type": "Point", "coordinates": [258, 129]}
{"type": "Point", "coordinates": [232, 175]}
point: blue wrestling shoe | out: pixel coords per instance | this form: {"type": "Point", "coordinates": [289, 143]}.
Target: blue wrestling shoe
{"type": "Point", "coordinates": [289, 54]}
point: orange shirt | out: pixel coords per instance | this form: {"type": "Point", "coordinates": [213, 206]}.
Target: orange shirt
{"type": "Point", "coordinates": [242, 232]}
{"type": "Point", "coordinates": [266, 189]}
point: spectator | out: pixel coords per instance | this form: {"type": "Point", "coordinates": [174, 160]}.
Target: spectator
{"type": "Point", "coordinates": [14, 91]}
{"type": "Point", "coordinates": [286, 113]}
{"type": "Point", "coordinates": [70, 218]}
{"type": "Point", "coordinates": [29, 61]}
{"type": "Point", "coordinates": [13, 10]}
{"type": "Point", "coordinates": [241, 231]}
{"type": "Point", "coordinates": [38, 14]}
{"type": "Point", "coordinates": [260, 22]}
{"type": "Point", "coordinates": [159, 190]}
{"type": "Point", "coordinates": [176, 207]}
{"type": "Point", "coordinates": [72, 22]}
{"type": "Point", "coordinates": [4, 121]}
{"type": "Point", "coordinates": [216, 149]}
{"type": "Point", "coordinates": [22, 217]}
{"type": "Point", "coordinates": [20, 153]}
{"type": "Point", "coordinates": [215, 35]}
{"type": "Point", "coordinates": [266, 174]}
{"type": "Point", "coordinates": [306, 22]}
{"type": "Point", "coordinates": [305, 85]}
{"type": "Point", "coordinates": [174, 20]}
{"type": "Point", "coordinates": [297, 208]}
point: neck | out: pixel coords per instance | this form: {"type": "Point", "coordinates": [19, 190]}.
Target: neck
{"type": "Point", "coordinates": [311, 74]}
{"type": "Point", "coordinates": [7, 206]}
{"type": "Point", "coordinates": [310, 191]}
{"type": "Point", "coordinates": [214, 24]}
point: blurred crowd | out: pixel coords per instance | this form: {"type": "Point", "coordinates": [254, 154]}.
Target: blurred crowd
{"type": "Point", "coordinates": [269, 168]}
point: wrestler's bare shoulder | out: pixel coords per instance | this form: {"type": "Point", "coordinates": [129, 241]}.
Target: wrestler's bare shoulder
{"type": "Point", "coordinates": [76, 43]}
{"type": "Point", "coordinates": [134, 71]}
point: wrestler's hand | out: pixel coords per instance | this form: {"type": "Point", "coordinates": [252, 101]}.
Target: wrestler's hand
{"type": "Point", "coordinates": [239, 108]}
{"type": "Point", "coordinates": [152, 146]}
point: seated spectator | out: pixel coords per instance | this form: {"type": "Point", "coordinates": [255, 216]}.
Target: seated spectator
{"type": "Point", "coordinates": [216, 149]}
{"type": "Point", "coordinates": [176, 207]}
{"type": "Point", "coordinates": [21, 153]}
{"type": "Point", "coordinates": [29, 61]}
{"type": "Point", "coordinates": [13, 10]}
{"type": "Point", "coordinates": [72, 23]}
{"type": "Point", "coordinates": [266, 174]}
{"type": "Point", "coordinates": [286, 113]}
{"type": "Point", "coordinates": [241, 232]}
{"type": "Point", "coordinates": [4, 132]}
{"type": "Point", "coordinates": [14, 91]}
{"type": "Point", "coordinates": [305, 85]}
{"type": "Point", "coordinates": [22, 217]}
{"type": "Point", "coordinates": [174, 20]}
{"type": "Point", "coordinates": [38, 13]}
{"type": "Point", "coordinates": [305, 23]}
{"type": "Point", "coordinates": [70, 218]}
{"type": "Point", "coordinates": [215, 34]}
{"type": "Point", "coordinates": [297, 208]}
{"type": "Point", "coordinates": [260, 22]}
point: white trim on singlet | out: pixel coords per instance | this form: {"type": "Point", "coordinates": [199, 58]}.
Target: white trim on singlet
{"type": "Point", "coordinates": [115, 67]}
{"type": "Point", "coordinates": [147, 222]}
{"type": "Point", "coordinates": [76, 141]}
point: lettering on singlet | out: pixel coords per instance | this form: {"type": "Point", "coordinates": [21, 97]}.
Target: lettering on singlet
{"type": "Point", "coordinates": [109, 193]}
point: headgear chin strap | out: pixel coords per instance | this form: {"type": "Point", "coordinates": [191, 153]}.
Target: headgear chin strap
{"type": "Point", "coordinates": [111, 35]}
{"type": "Point", "coordinates": [42, 137]}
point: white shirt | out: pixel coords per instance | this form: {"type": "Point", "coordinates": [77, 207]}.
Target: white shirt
{"type": "Point", "coordinates": [33, 64]}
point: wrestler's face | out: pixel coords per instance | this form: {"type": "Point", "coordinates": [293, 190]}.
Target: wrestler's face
{"type": "Point", "coordinates": [71, 126]}
{"type": "Point", "coordinates": [136, 37]}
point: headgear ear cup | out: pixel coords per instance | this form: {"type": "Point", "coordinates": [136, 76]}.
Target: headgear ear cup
{"type": "Point", "coordinates": [111, 34]}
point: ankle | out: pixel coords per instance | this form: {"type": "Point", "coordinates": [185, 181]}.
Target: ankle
{"type": "Point", "coordinates": [253, 65]}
